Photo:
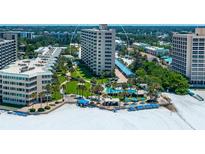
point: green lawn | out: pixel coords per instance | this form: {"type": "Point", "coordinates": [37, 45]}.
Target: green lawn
{"type": "Point", "coordinates": [101, 81]}
{"type": "Point", "coordinates": [71, 88]}
{"type": "Point", "coordinates": [61, 78]}
{"type": "Point", "coordinates": [83, 71]}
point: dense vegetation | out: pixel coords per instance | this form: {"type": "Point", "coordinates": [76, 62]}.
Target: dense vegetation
{"type": "Point", "coordinates": [157, 77]}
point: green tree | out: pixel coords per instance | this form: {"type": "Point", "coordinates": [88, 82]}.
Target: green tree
{"type": "Point", "coordinates": [48, 89]}
{"type": "Point", "coordinates": [33, 96]}
{"type": "Point", "coordinates": [93, 81]}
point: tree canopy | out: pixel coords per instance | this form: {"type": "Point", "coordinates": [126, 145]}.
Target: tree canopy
{"type": "Point", "coordinates": [158, 77]}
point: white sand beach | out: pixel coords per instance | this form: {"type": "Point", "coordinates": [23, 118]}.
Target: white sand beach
{"type": "Point", "coordinates": [192, 110]}
{"type": "Point", "coordinates": [71, 117]}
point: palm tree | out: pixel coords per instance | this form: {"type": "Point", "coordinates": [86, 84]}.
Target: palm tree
{"type": "Point", "coordinates": [48, 89]}
{"type": "Point", "coordinates": [93, 81]}
{"type": "Point", "coordinates": [81, 87]}
{"type": "Point", "coordinates": [124, 87]}
{"type": "Point", "coordinates": [122, 95]}
{"type": "Point", "coordinates": [41, 95]}
{"type": "Point", "coordinates": [64, 86]}
{"type": "Point", "coordinates": [97, 90]}
{"type": "Point", "coordinates": [102, 76]}
{"type": "Point", "coordinates": [114, 85]}
{"type": "Point", "coordinates": [72, 69]}
{"type": "Point", "coordinates": [33, 96]}
{"type": "Point", "coordinates": [132, 81]}
{"type": "Point", "coordinates": [81, 80]}
{"type": "Point", "coordinates": [153, 90]}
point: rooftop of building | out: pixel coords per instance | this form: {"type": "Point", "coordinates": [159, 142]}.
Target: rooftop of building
{"type": "Point", "coordinates": [124, 68]}
{"type": "Point", "coordinates": [102, 27]}
{"type": "Point", "coordinates": [98, 30]}
{"type": "Point", "coordinates": [198, 32]}
{"type": "Point", "coordinates": [26, 67]}
{"type": "Point", "coordinates": [140, 44]}
{"type": "Point", "coordinates": [42, 64]}
{"type": "Point", "coordinates": [48, 51]}
{"type": "Point", "coordinates": [15, 32]}
{"type": "Point", "coordinates": [147, 46]}
{"type": "Point", "coordinates": [2, 41]}
{"type": "Point", "coordinates": [156, 48]}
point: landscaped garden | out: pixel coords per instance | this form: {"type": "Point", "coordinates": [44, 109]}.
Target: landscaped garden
{"type": "Point", "coordinates": [82, 71]}
{"type": "Point", "coordinates": [81, 82]}
{"type": "Point", "coordinates": [61, 78]}
{"type": "Point", "coordinates": [72, 87]}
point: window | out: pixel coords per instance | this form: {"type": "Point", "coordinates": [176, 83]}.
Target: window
{"type": "Point", "coordinates": [201, 48]}
{"type": "Point", "coordinates": [195, 48]}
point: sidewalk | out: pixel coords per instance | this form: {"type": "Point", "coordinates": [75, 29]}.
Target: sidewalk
{"type": "Point", "coordinates": [43, 105]}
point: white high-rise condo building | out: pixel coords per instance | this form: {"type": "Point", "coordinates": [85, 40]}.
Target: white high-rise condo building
{"type": "Point", "coordinates": [188, 53]}
{"type": "Point", "coordinates": [19, 80]}
{"type": "Point", "coordinates": [98, 49]}
{"type": "Point", "coordinates": [7, 52]}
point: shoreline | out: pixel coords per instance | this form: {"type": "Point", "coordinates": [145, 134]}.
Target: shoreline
{"type": "Point", "coordinates": [71, 117]}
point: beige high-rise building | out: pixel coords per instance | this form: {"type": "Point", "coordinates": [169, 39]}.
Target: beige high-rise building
{"type": "Point", "coordinates": [188, 53]}
{"type": "Point", "coordinates": [98, 49]}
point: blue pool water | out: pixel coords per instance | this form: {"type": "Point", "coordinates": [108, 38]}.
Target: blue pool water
{"type": "Point", "coordinates": [116, 91]}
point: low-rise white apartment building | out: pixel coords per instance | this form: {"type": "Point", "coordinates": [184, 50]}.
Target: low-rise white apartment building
{"type": "Point", "coordinates": [98, 49]}
{"type": "Point", "coordinates": [188, 56]}
{"type": "Point", "coordinates": [19, 80]}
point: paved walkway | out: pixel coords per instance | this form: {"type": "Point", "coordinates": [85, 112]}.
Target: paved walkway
{"type": "Point", "coordinates": [38, 105]}
{"type": "Point", "coordinates": [121, 77]}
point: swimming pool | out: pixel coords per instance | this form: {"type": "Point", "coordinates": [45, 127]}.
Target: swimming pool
{"type": "Point", "coordinates": [116, 91]}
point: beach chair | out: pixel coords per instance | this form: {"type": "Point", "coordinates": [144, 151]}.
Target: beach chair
{"type": "Point", "coordinates": [140, 107]}
{"type": "Point", "coordinates": [131, 109]}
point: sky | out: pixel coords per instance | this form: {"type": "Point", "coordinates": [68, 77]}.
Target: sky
{"type": "Point", "coordinates": [106, 11]}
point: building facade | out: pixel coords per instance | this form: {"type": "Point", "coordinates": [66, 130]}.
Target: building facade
{"type": "Point", "coordinates": [153, 50]}
{"type": "Point", "coordinates": [98, 49]}
{"type": "Point", "coordinates": [188, 56]}
{"type": "Point", "coordinates": [8, 52]}
{"type": "Point", "coordinates": [19, 80]}
{"type": "Point", "coordinates": [19, 34]}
